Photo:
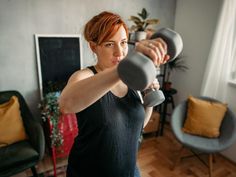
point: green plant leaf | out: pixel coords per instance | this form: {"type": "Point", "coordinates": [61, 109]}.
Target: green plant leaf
{"type": "Point", "coordinates": [142, 22]}
{"type": "Point", "coordinates": [50, 110]}
{"type": "Point", "coordinates": [135, 19]}
{"type": "Point", "coordinates": [144, 14]}
{"type": "Point", "coordinates": [177, 64]}
{"type": "Point", "coordinates": [152, 21]}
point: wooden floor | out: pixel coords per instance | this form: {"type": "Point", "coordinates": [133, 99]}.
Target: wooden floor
{"type": "Point", "coordinates": [157, 155]}
{"type": "Point", "coordinates": [155, 159]}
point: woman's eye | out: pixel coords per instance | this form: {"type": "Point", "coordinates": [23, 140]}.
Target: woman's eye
{"type": "Point", "coordinates": [109, 45]}
{"type": "Point", "coordinates": [123, 43]}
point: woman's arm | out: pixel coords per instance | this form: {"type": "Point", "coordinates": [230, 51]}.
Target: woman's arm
{"type": "Point", "coordinates": [148, 114]}
{"type": "Point", "coordinates": [84, 88]}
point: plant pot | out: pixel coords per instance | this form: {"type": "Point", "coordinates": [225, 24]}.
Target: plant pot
{"type": "Point", "coordinates": [140, 35]}
{"type": "Point", "coordinates": [167, 85]}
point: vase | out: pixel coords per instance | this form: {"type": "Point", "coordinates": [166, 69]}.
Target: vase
{"type": "Point", "coordinates": [140, 35]}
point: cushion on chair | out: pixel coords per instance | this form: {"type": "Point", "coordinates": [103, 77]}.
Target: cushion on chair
{"type": "Point", "coordinates": [204, 117]}
{"type": "Point", "coordinates": [11, 124]}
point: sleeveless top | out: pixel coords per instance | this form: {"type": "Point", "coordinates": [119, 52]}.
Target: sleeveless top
{"type": "Point", "coordinates": [107, 143]}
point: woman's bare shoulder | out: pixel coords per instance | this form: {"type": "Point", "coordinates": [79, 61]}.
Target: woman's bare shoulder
{"type": "Point", "coordinates": [80, 75]}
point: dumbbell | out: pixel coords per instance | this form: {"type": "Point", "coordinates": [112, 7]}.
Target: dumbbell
{"type": "Point", "coordinates": [138, 71]}
{"type": "Point", "coordinates": [174, 42]}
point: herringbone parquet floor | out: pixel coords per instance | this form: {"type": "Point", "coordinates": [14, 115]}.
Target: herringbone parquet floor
{"type": "Point", "coordinates": [157, 155]}
{"type": "Point", "coordinates": [155, 159]}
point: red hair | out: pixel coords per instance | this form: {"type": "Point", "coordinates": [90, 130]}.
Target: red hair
{"type": "Point", "coordinates": [103, 26]}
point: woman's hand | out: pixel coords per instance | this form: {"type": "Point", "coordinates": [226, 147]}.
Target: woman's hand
{"type": "Point", "coordinates": [155, 49]}
{"type": "Point", "coordinates": [155, 85]}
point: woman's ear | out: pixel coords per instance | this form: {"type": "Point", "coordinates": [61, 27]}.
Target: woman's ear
{"type": "Point", "coordinates": [92, 46]}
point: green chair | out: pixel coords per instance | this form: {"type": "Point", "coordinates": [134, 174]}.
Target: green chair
{"type": "Point", "coordinates": [22, 155]}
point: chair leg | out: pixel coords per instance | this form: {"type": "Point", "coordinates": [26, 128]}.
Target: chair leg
{"type": "Point", "coordinates": [33, 169]}
{"type": "Point", "coordinates": [178, 158]}
{"type": "Point", "coordinates": [210, 157]}
{"type": "Point", "coordinates": [214, 158]}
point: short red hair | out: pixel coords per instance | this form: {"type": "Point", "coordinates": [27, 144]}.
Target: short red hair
{"type": "Point", "coordinates": [103, 26]}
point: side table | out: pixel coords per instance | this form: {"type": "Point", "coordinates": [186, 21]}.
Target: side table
{"type": "Point", "coordinates": [163, 107]}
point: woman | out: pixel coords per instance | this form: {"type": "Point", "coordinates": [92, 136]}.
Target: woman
{"type": "Point", "coordinates": [110, 115]}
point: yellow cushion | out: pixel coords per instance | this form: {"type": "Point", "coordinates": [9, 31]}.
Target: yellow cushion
{"type": "Point", "coordinates": [204, 117]}
{"type": "Point", "coordinates": [11, 124]}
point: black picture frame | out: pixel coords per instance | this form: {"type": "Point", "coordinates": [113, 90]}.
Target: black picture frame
{"type": "Point", "coordinates": [58, 57]}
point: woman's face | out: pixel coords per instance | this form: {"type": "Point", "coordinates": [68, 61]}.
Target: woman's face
{"type": "Point", "coordinates": [111, 52]}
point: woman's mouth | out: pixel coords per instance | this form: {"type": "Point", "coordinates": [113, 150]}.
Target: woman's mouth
{"type": "Point", "coordinates": [116, 61]}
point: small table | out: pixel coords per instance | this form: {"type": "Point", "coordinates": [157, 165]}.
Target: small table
{"type": "Point", "coordinates": [163, 107]}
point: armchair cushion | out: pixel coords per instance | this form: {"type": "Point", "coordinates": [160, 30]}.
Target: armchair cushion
{"type": "Point", "coordinates": [11, 124]}
{"type": "Point", "coordinates": [17, 154]}
{"type": "Point", "coordinates": [204, 117]}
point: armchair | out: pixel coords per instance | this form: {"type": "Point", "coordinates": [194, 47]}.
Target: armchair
{"type": "Point", "coordinates": [25, 154]}
{"type": "Point", "coordinates": [199, 143]}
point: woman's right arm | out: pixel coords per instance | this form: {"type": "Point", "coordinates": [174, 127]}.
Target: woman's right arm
{"type": "Point", "coordinates": [84, 88]}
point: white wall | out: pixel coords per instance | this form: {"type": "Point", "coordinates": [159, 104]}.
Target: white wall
{"type": "Point", "coordinates": [196, 22]}
{"type": "Point", "coordinates": [21, 19]}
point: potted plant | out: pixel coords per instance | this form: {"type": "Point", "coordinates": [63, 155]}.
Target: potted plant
{"type": "Point", "coordinates": [141, 22]}
{"type": "Point", "coordinates": [50, 111]}
{"type": "Point", "coordinates": [176, 64]}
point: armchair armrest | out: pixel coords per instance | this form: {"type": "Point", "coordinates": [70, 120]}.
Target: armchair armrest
{"type": "Point", "coordinates": [178, 118]}
{"type": "Point", "coordinates": [228, 129]}
{"type": "Point", "coordinates": [36, 137]}
{"type": "Point", "coordinates": [33, 128]}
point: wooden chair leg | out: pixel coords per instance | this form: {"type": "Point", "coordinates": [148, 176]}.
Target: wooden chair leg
{"type": "Point", "coordinates": [210, 157]}
{"type": "Point", "coordinates": [214, 158]}
{"type": "Point", "coordinates": [178, 158]}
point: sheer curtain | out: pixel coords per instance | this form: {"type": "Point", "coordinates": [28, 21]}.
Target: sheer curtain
{"type": "Point", "coordinates": [221, 62]}
{"type": "Point", "coordinates": [233, 70]}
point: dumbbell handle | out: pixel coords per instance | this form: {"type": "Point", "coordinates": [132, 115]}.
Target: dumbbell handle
{"type": "Point", "coordinates": [153, 97]}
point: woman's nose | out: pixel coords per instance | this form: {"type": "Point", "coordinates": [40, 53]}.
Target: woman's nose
{"type": "Point", "coordinates": [118, 51]}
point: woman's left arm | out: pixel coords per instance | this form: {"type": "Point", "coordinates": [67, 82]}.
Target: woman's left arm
{"type": "Point", "coordinates": [148, 114]}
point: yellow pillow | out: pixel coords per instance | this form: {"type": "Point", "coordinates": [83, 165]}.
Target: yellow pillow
{"type": "Point", "coordinates": [204, 117]}
{"type": "Point", "coordinates": [11, 124]}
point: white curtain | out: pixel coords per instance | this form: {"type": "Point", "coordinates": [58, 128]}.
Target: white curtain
{"type": "Point", "coordinates": [233, 70]}
{"type": "Point", "coordinates": [221, 61]}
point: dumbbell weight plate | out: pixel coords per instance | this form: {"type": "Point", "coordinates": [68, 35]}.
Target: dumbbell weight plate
{"type": "Point", "coordinates": [137, 71]}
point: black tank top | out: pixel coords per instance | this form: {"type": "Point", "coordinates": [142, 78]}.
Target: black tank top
{"type": "Point", "coordinates": [107, 143]}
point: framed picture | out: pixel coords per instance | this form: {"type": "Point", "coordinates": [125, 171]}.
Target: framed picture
{"type": "Point", "coordinates": [58, 57]}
